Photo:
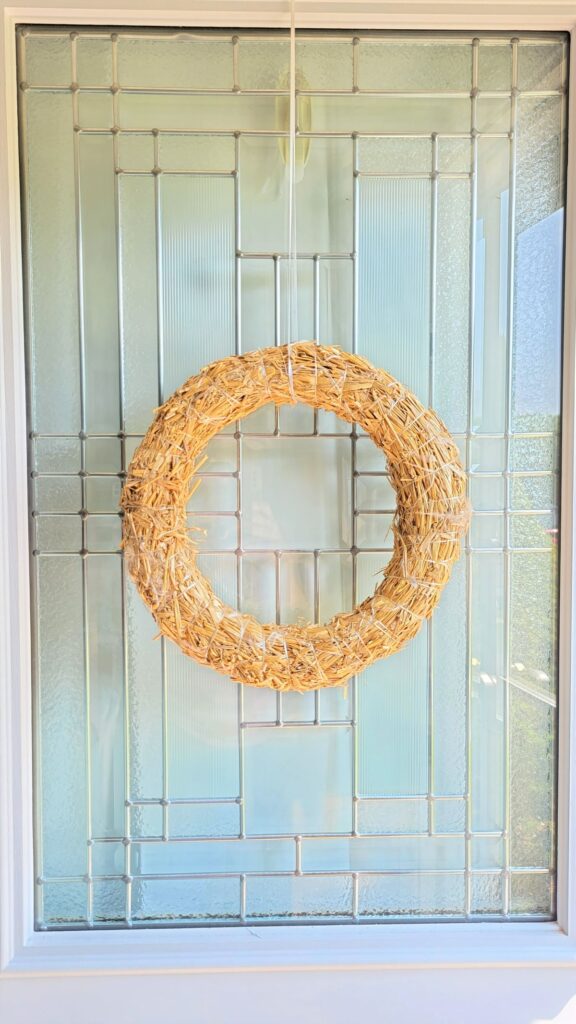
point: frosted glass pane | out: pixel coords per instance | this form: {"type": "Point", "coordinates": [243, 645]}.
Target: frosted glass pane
{"type": "Point", "coordinates": [394, 278]}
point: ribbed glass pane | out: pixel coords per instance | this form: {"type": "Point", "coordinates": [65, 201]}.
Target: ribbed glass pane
{"type": "Point", "coordinates": [394, 277]}
{"type": "Point", "coordinates": [197, 264]}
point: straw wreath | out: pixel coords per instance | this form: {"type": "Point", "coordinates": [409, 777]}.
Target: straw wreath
{"type": "Point", "coordinates": [432, 515]}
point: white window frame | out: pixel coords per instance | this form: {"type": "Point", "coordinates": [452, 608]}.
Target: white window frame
{"type": "Point", "coordinates": [27, 954]}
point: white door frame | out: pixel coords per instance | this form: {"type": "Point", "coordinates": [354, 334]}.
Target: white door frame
{"type": "Point", "coordinates": [250, 958]}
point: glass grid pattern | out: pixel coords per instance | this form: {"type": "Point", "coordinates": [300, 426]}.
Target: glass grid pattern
{"type": "Point", "coordinates": [164, 794]}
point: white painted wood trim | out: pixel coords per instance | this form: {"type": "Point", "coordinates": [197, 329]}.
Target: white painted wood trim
{"type": "Point", "coordinates": [26, 954]}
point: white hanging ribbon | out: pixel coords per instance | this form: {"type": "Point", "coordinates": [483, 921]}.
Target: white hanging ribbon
{"type": "Point", "coordinates": [292, 296]}
{"type": "Point", "coordinates": [292, 332]}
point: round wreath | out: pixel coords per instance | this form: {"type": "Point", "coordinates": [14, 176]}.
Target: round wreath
{"type": "Point", "coordinates": [432, 515]}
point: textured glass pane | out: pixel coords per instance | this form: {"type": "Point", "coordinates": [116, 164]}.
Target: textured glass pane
{"type": "Point", "coordinates": [94, 60]}
{"type": "Point", "coordinates": [179, 61]}
{"type": "Point", "coordinates": [426, 65]}
{"type": "Point", "coordinates": [389, 156]}
{"type": "Point", "coordinates": [325, 63]}
{"type": "Point", "coordinates": [494, 66]}
{"type": "Point", "coordinates": [57, 454]}
{"type": "Point", "coordinates": [65, 903]}
{"type": "Point", "coordinates": [48, 59]}
{"type": "Point", "coordinates": [541, 65]}
{"type": "Point", "coordinates": [382, 895]}
{"type": "Point", "coordinates": [58, 533]}
{"type": "Point", "coordinates": [487, 894]}
{"type": "Point", "coordinates": [320, 897]}
{"type": "Point", "coordinates": [393, 816]}
{"type": "Point", "coordinates": [263, 63]}
{"type": "Point", "coordinates": [531, 894]}
{"type": "Point", "coordinates": [53, 302]}
{"type": "Point", "coordinates": [62, 710]}
{"type": "Point", "coordinates": [186, 900]}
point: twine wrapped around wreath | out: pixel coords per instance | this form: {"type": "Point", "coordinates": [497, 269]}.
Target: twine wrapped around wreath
{"type": "Point", "coordinates": [432, 515]}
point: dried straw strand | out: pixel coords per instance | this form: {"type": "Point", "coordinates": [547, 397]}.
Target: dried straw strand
{"type": "Point", "coordinates": [432, 515]}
